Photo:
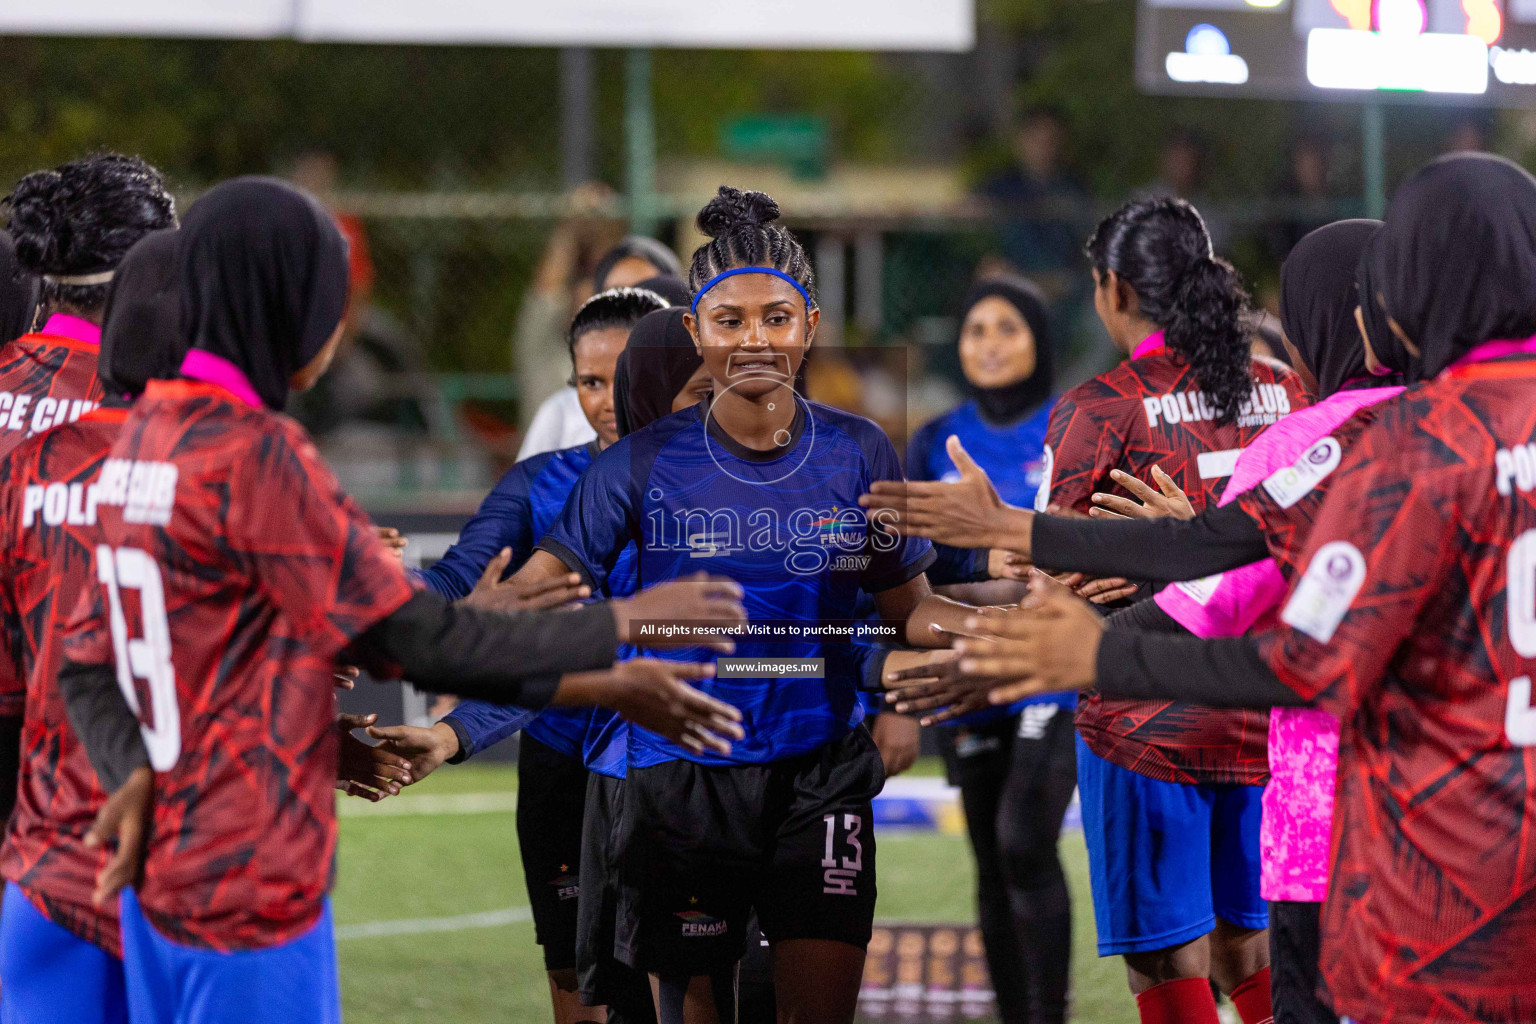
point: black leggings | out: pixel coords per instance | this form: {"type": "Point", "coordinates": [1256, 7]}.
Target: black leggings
{"type": "Point", "coordinates": [1016, 778]}
{"type": "Point", "coordinates": [1294, 977]}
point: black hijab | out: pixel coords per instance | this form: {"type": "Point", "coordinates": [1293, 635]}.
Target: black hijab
{"type": "Point", "coordinates": [1318, 295]}
{"type": "Point", "coordinates": [1389, 350]}
{"type": "Point", "coordinates": [263, 279]}
{"type": "Point", "coordinates": [1005, 405]}
{"type": "Point", "coordinates": [655, 364]}
{"type": "Point", "coordinates": [18, 293]}
{"type": "Point", "coordinates": [1457, 260]}
{"type": "Point", "coordinates": [653, 252]}
{"type": "Point", "coordinates": [141, 335]}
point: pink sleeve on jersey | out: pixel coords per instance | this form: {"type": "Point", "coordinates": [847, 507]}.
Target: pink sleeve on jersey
{"type": "Point", "coordinates": [1227, 604]}
{"type": "Point", "coordinates": [1303, 742]}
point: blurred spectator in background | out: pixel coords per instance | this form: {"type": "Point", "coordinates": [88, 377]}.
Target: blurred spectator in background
{"type": "Point", "coordinates": [1043, 204]}
{"type": "Point", "coordinates": [559, 422]}
{"type": "Point", "coordinates": [378, 385]}
{"type": "Point", "coordinates": [1304, 191]}
{"type": "Point", "coordinates": [1181, 174]}
{"type": "Point", "coordinates": [1180, 167]}
{"type": "Point", "coordinates": [561, 283]}
{"type": "Point", "coordinates": [1471, 134]}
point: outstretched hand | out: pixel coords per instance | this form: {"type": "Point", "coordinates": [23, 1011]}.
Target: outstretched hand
{"type": "Point", "coordinates": [936, 689]}
{"type": "Point", "coordinates": [1051, 645]}
{"type": "Point", "coordinates": [126, 818]}
{"type": "Point", "coordinates": [656, 695]}
{"type": "Point", "coordinates": [707, 605]}
{"type": "Point", "coordinates": [369, 772]}
{"type": "Point", "coordinates": [393, 541]}
{"type": "Point", "coordinates": [1166, 500]}
{"type": "Point", "coordinates": [965, 514]}
{"type": "Point", "coordinates": [423, 750]}
{"type": "Point", "coordinates": [492, 593]}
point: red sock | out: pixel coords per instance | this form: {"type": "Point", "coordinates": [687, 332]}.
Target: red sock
{"type": "Point", "coordinates": [1252, 999]}
{"type": "Point", "coordinates": [1181, 1001]}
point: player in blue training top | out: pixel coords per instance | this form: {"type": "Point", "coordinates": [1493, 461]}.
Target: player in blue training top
{"type": "Point", "coordinates": [1015, 765]}
{"type": "Point", "coordinates": [761, 487]}
{"type": "Point", "coordinates": [552, 777]}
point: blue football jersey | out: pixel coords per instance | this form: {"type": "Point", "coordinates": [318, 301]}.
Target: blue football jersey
{"type": "Point", "coordinates": [785, 524]}
{"type": "Point", "coordinates": [527, 499]}
{"type": "Point", "coordinates": [1014, 457]}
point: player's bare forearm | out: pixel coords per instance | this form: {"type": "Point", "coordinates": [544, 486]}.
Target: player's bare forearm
{"type": "Point", "coordinates": [936, 621]}
{"type": "Point", "coordinates": [541, 567]}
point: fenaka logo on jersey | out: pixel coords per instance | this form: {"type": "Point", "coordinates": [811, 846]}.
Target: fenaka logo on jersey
{"type": "Point", "coordinates": [1289, 485]}
{"type": "Point", "coordinates": [146, 491]}
{"type": "Point", "coordinates": [699, 925]}
{"type": "Point", "coordinates": [45, 415]}
{"type": "Point", "coordinates": [1264, 405]}
{"type": "Point", "coordinates": [567, 886]}
{"type": "Point", "coordinates": [1327, 589]}
{"type": "Point", "coordinates": [811, 540]}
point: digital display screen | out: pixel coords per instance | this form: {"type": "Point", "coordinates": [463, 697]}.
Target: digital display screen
{"type": "Point", "coordinates": [1462, 51]}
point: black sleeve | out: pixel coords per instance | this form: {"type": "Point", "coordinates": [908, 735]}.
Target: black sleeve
{"type": "Point", "coordinates": [514, 658]}
{"type": "Point", "coordinates": [1146, 616]}
{"type": "Point", "coordinates": [1222, 673]}
{"type": "Point", "coordinates": [102, 719]}
{"type": "Point", "coordinates": [10, 761]}
{"type": "Point", "coordinates": [958, 565]}
{"type": "Point", "coordinates": [1161, 550]}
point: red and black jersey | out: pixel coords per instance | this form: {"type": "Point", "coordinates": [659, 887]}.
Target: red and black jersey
{"type": "Point", "coordinates": [48, 532]}
{"type": "Point", "coordinates": [237, 570]}
{"type": "Point", "coordinates": [47, 379]}
{"type": "Point", "coordinates": [1284, 517]}
{"type": "Point", "coordinates": [1150, 411]}
{"type": "Point", "coordinates": [1415, 623]}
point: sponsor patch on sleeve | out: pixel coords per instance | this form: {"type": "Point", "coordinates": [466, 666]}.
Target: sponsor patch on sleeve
{"type": "Point", "coordinates": [1202, 590]}
{"type": "Point", "coordinates": [1291, 484]}
{"type": "Point", "coordinates": [1047, 468]}
{"type": "Point", "coordinates": [1326, 591]}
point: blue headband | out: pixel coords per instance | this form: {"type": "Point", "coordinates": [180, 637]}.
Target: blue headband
{"type": "Point", "coordinates": [694, 309]}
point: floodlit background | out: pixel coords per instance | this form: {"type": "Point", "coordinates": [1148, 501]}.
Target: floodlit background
{"type": "Point", "coordinates": [482, 153]}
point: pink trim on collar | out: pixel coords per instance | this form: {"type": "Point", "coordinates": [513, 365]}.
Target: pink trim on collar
{"type": "Point", "coordinates": [1495, 350]}
{"type": "Point", "coordinates": [1150, 345]}
{"type": "Point", "coordinates": [75, 328]}
{"type": "Point", "coordinates": [213, 369]}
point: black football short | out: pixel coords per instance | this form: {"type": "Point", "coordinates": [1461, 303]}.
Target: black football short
{"type": "Point", "coordinates": [603, 980]}
{"type": "Point", "coordinates": [551, 797]}
{"type": "Point", "coordinates": [703, 846]}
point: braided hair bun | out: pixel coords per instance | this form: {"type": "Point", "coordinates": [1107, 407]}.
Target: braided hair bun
{"type": "Point", "coordinates": [82, 218]}
{"type": "Point", "coordinates": [733, 207]}
{"type": "Point", "coordinates": [742, 226]}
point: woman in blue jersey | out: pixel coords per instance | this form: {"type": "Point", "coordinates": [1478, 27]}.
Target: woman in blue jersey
{"type": "Point", "coordinates": [1015, 765]}
{"type": "Point", "coordinates": [551, 774]}
{"type": "Point", "coordinates": [760, 486]}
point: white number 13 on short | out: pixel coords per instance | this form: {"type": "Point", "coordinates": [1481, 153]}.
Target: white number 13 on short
{"type": "Point", "coordinates": [147, 657]}
{"type": "Point", "coordinates": [838, 878]}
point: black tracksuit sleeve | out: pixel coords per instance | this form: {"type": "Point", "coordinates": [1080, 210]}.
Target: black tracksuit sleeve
{"type": "Point", "coordinates": [101, 717]}
{"type": "Point", "coordinates": [515, 658]}
{"type": "Point", "coordinates": [1160, 550]}
{"type": "Point", "coordinates": [1222, 673]}
{"type": "Point", "coordinates": [504, 658]}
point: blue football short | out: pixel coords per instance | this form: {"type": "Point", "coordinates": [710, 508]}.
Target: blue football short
{"type": "Point", "coordinates": [1166, 859]}
{"type": "Point", "coordinates": [169, 983]}
{"type": "Point", "coordinates": [48, 973]}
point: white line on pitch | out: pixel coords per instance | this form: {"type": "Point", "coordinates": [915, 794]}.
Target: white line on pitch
{"type": "Point", "coordinates": [428, 803]}
{"type": "Point", "coordinates": [422, 925]}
